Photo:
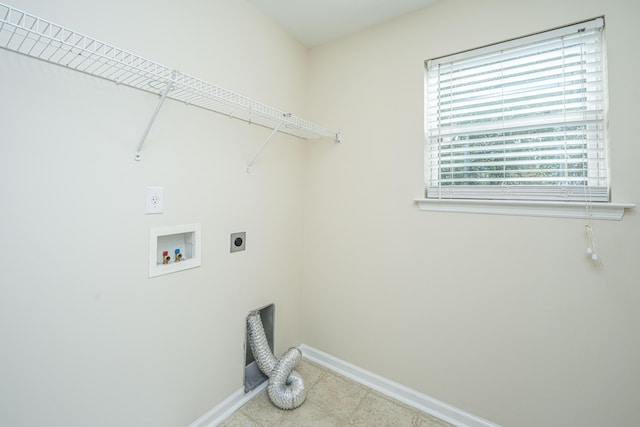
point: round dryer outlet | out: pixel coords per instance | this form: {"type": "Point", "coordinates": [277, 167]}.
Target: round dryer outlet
{"type": "Point", "coordinates": [238, 241]}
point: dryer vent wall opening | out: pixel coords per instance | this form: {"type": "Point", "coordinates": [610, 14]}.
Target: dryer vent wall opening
{"type": "Point", "coordinates": [286, 388]}
{"type": "Point", "coordinates": [253, 376]}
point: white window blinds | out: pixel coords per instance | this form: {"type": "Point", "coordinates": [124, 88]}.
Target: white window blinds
{"type": "Point", "coordinates": [523, 119]}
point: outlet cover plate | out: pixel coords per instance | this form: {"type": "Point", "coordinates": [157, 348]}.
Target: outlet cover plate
{"type": "Point", "coordinates": [155, 200]}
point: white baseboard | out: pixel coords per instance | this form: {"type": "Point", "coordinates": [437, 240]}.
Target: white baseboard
{"type": "Point", "coordinates": [224, 409]}
{"type": "Point", "coordinates": [396, 391]}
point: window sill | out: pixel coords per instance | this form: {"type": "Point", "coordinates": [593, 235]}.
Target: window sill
{"type": "Point", "coordinates": [607, 211]}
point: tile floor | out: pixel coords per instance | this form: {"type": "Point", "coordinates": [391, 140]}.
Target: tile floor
{"type": "Point", "coordinates": [332, 400]}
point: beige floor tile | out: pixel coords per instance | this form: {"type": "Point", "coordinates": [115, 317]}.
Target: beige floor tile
{"type": "Point", "coordinates": [337, 394]}
{"type": "Point", "coordinates": [376, 410]}
{"type": "Point", "coordinates": [238, 419]}
{"type": "Point", "coordinates": [310, 372]}
{"type": "Point", "coordinates": [309, 415]}
{"type": "Point", "coordinates": [261, 410]}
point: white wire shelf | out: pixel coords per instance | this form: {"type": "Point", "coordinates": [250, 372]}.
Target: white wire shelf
{"type": "Point", "coordinates": [29, 35]}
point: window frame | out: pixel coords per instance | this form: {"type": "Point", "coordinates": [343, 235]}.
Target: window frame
{"type": "Point", "coordinates": [568, 194]}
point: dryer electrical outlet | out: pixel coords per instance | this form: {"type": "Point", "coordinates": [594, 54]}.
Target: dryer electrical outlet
{"type": "Point", "coordinates": [238, 241]}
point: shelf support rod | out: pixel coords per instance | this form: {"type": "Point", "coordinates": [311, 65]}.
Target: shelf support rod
{"type": "Point", "coordinates": [264, 144]}
{"type": "Point", "coordinates": [163, 96]}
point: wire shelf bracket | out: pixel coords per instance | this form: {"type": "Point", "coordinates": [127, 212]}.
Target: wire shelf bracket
{"type": "Point", "coordinates": [35, 37]}
{"type": "Point", "coordinates": [264, 144]}
{"type": "Point", "coordinates": [165, 92]}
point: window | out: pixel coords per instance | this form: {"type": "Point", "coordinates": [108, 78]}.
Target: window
{"type": "Point", "coordinates": [520, 120]}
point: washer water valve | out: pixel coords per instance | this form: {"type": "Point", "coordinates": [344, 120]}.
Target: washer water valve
{"type": "Point", "coordinates": [165, 257]}
{"type": "Point", "coordinates": [178, 257]}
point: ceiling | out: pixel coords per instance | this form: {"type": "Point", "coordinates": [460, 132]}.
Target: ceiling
{"type": "Point", "coordinates": [315, 22]}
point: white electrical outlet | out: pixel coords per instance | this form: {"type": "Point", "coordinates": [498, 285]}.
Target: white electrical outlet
{"type": "Point", "coordinates": [155, 200]}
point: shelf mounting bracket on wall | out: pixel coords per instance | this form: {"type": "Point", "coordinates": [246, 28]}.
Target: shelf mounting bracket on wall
{"type": "Point", "coordinates": [264, 144]}
{"type": "Point", "coordinates": [163, 96]}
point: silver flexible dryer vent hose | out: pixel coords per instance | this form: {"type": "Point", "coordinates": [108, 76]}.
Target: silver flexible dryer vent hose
{"type": "Point", "coordinates": [286, 388]}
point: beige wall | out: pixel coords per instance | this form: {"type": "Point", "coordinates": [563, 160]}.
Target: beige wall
{"type": "Point", "coordinates": [86, 339]}
{"type": "Point", "coordinates": [501, 316]}
{"type": "Point", "coordinates": [504, 317]}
